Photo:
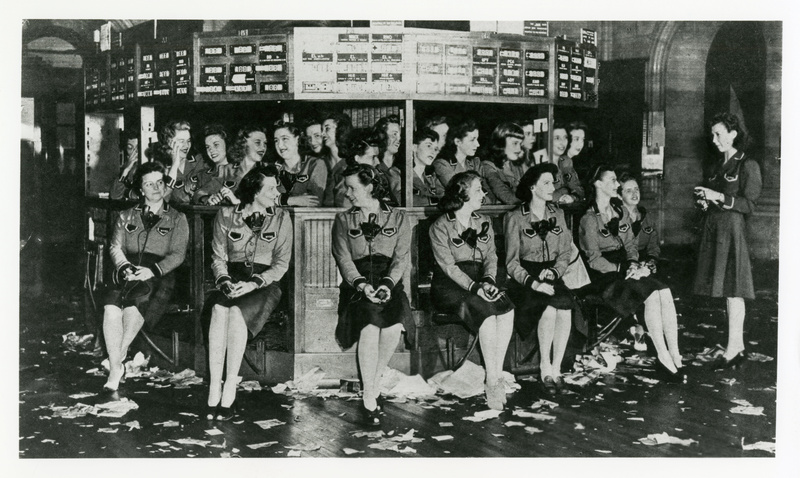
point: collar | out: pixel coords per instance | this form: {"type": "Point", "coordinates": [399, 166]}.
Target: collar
{"type": "Point", "coordinates": [385, 207]}
{"type": "Point", "coordinates": [239, 209]}
{"type": "Point", "coordinates": [140, 206]}
{"type": "Point", "coordinates": [451, 215]}
{"type": "Point", "coordinates": [525, 209]}
{"type": "Point", "coordinates": [549, 207]}
{"type": "Point", "coordinates": [453, 161]}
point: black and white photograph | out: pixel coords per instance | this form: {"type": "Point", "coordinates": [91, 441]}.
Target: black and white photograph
{"type": "Point", "coordinates": [286, 232]}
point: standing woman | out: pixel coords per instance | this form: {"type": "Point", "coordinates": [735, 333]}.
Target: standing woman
{"type": "Point", "coordinates": [464, 277]}
{"type": "Point", "coordinates": [427, 188]}
{"type": "Point", "coordinates": [336, 130]}
{"type": "Point", "coordinates": [302, 178]}
{"type": "Point", "coordinates": [391, 132]}
{"type": "Point", "coordinates": [459, 151]}
{"type": "Point", "coordinates": [567, 143]}
{"type": "Point", "coordinates": [607, 240]}
{"type": "Point", "coordinates": [252, 247]}
{"type": "Point", "coordinates": [148, 243]}
{"type": "Point", "coordinates": [371, 243]}
{"type": "Point", "coordinates": [504, 167]}
{"type": "Point", "coordinates": [217, 182]}
{"type": "Point", "coordinates": [183, 169]}
{"type": "Point", "coordinates": [728, 195]}
{"type": "Point", "coordinates": [538, 249]}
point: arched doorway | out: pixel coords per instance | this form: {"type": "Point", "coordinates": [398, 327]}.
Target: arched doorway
{"type": "Point", "coordinates": [736, 71]}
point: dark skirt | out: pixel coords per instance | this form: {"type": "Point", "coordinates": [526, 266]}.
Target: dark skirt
{"type": "Point", "coordinates": [150, 297]}
{"type": "Point", "coordinates": [256, 306]}
{"type": "Point", "coordinates": [623, 295]}
{"type": "Point", "coordinates": [450, 298]}
{"type": "Point", "coordinates": [531, 304]}
{"type": "Point", "coordinates": [356, 311]}
{"type": "Point", "coordinates": [723, 260]}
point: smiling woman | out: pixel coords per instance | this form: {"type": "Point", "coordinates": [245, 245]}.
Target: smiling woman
{"type": "Point", "coordinates": [302, 179]}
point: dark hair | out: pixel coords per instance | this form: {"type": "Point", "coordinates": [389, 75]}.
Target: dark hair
{"type": "Point", "coordinates": [386, 121]}
{"type": "Point", "coordinates": [455, 193]}
{"type": "Point", "coordinates": [238, 149]}
{"type": "Point", "coordinates": [357, 143]}
{"type": "Point", "coordinates": [434, 121]}
{"type": "Point", "coordinates": [129, 134]}
{"type": "Point", "coordinates": [293, 130]}
{"type": "Point", "coordinates": [497, 141]}
{"type": "Point", "coordinates": [626, 176]}
{"type": "Point", "coordinates": [596, 174]}
{"type": "Point", "coordinates": [253, 181]}
{"type": "Point", "coordinates": [421, 135]}
{"type": "Point", "coordinates": [522, 122]}
{"type": "Point", "coordinates": [381, 127]}
{"type": "Point", "coordinates": [306, 122]}
{"type": "Point", "coordinates": [344, 125]}
{"type": "Point", "coordinates": [147, 168]}
{"type": "Point", "coordinates": [280, 124]}
{"type": "Point", "coordinates": [575, 125]}
{"type": "Point", "coordinates": [215, 129]}
{"type": "Point", "coordinates": [457, 131]}
{"type": "Point", "coordinates": [731, 122]}
{"type": "Point", "coordinates": [368, 175]}
{"type": "Point", "coordinates": [531, 177]}
{"type": "Point", "coordinates": [305, 143]}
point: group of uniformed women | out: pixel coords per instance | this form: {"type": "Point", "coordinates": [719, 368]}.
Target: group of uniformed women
{"type": "Point", "coordinates": [252, 242]}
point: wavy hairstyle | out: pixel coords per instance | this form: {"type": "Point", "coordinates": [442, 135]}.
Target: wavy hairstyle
{"type": "Point", "coordinates": [457, 131]}
{"type": "Point", "coordinates": [357, 143]}
{"type": "Point", "coordinates": [497, 141]}
{"type": "Point", "coordinates": [596, 174]}
{"type": "Point", "coordinates": [144, 169]}
{"type": "Point", "coordinates": [731, 122]}
{"type": "Point", "coordinates": [344, 125]}
{"type": "Point", "coordinates": [165, 136]}
{"type": "Point", "coordinates": [531, 177]}
{"type": "Point", "coordinates": [237, 150]}
{"type": "Point", "coordinates": [253, 181]}
{"type": "Point", "coordinates": [455, 193]}
{"type": "Point", "coordinates": [369, 175]}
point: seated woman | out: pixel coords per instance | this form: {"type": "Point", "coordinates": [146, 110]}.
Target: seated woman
{"type": "Point", "coordinates": [427, 188]}
{"type": "Point", "coordinates": [391, 133]}
{"type": "Point", "coordinates": [183, 168]}
{"type": "Point", "coordinates": [148, 243]}
{"type": "Point", "coordinates": [504, 167]}
{"type": "Point", "coordinates": [371, 243]}
{"type": "Point", "coordinates": [464, 276]}
{"type": "Point", "coordinates": [568, 185]}
{"type": "Point", "coordinates": [607, 239]}
{"type": "Point", "coordinates": [644, 229]}
{"type": "Point", "coordinates": [218, 181]}
{"type": "Point", "coordinates": [362, 147]}
{"type": "Point", "coordinates": [311, 139]}
{"type": "Point", "coordinates": [302, 179]}
{"type": "Point", "coordinates": [252, 248]}
{"type": "Point", "coordinates": [440, 125]}
{"type": "Point", "coordinates": [336, 130]}
{"type": "Point", "coordinates": [538, 248]}
{"type": "Point", "coordinates": [248, 149]}
{"type": "Point", "coordinates": [458, 154]}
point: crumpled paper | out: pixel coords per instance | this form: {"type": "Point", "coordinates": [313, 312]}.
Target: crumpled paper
{"type": "Point", "coordinates": [267, 424]}
{"type": "Point", "coordinates": [483, 415]}
{"type": "Point", "coordinates": [761, 445]}
{"type": "Point", "coordinates": [664, 439]}
{"type": "Point", "coordinates": [115, 409]}
{"type": "Point", "coordinates": [397, 384]}
{"type": "Point", "coordinates": [465, 382]}
{"type": "Point", "coordinates": [250, 386]}
{"type": "Point", "coordinates": [73, 341]}
{"type": "Point", "coordinates": [185, 378]}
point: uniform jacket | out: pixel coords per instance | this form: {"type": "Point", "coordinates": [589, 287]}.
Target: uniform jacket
{"type": "Point", "coordinates": [123, 188]}
{"type": "Point", "coordinates": [596, 238]}
{"type": "Point", "coordinates": [446, 168]}
{"type": "Point", "coordinates": [181, 189]}
{"type": "Point", "coordinates": [234, 241]}
{"type": "Point", "coordinates": [393, 176]}
{"type": "Point", "coordinates": [566, 181]}
{"type": "Point", "coordinates": [310, 178]}
{"type": "Point", "coordinates": [524, 242]}
{"type": "Point", "coordinates": [427, 189]}
{"type": "Point", "coordinates": [647, 237]}
{"type": "Point", "coordinates": [214, 178]}
{"type": "Point", "coordinates": [449, 249]}
{"type": "Point", "coordinates": [334, 189]}
{"type": "Point", "coordinates": [500, 190]}
{"type": "Point", "coordinates": [350, 244]}
{"type": "Point", "coordinates": [167, 239]}
{"type": "Point", "coordinates": [739, 179]}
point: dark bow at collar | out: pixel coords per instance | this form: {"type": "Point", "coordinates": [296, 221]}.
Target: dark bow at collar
{"type": "Point", "coordinates": [470, 235]}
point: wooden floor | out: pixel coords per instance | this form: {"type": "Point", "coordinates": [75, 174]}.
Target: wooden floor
{"type": "Point", "coordinates": [605, 419]}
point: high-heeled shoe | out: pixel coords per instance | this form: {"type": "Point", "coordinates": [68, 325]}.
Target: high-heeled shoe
{"type": "Point", "coordinates": [561, 385]}
{"type": "Point", "coordinates": [369, 417]}
{"type": "Point", "coordinates": [227, 413]}
{"type": "Point", "coordinates": [549, 385]}
{"type": "Point", "coordinates": [721, 362]}
{"type": "Point", "coordinates": [666, 375]}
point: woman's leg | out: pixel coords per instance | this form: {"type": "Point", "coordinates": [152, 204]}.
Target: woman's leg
{"type": "Point", "coordinates": [563, 326]}
{"type": "Point", "coordinates": [652, 317]}
{"type": "Point", "coordinates": [237, 341]}
{"type": "Point", "coordinates": [487, 336]}
{"type": "Point", "coordinates": [735, 306]}
{"type": "Point", "coordinates": [217, 344]}
{"type": "Point", "coordinates": [368, 356]}
{"type": "Point", "coordinates": [545, 332]}
{"type": "Point", "coordinates": [387, 344]}
{"type": "Point", "coordinates": [112, 332]}
{"type": "Point", "coordinates": [505, 328]}
{"type": "Point", "coordinates": [669, 319]}
{"type": "Point", "coordinates": [132, 322]}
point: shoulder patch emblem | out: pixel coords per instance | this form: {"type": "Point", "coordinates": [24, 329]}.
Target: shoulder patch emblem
{"type": "Point", "coordinates": [648, 230]}
{"type": "Point", "coordinates": [163, 230]}
{"type": "Point", "coordinates": [529, 231]}
{"type": "Point", "coordinates": [131, 227]}
{"type": "Point", "coordinates": [389, 231]}
{"type": "Point", "coordinates": [568, 177]}
{"type": "Point", "coordinates": [234, 235]}
{"type": "Point", "coordinates": [604, 232]}
{"type": "Point", "coordinates": [301, 178]}
{"type": "Point", "coordinates": [229, 184]}
{"type": "Point", "coordinates": [355, 233]}
{"type": "Point", "coordinates": [556, 230]}
{"type": "Point", "coordinates": [433, 201]}
{"type": "Point", "coordinates": [457, 241]}
{"type": "Point", "coordinates": [483, 238]}
{"type": "Point", "coordinates": [268, 236]}
{"type": "Point", "coordinates": [624, 227]}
